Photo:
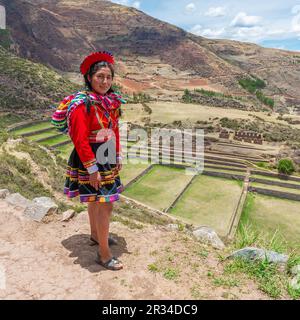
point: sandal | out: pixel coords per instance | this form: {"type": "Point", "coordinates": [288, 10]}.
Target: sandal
{"type": "Point", "coordinates": [111, 241]}
{"type": "Point", "coordinates": [112, 264]}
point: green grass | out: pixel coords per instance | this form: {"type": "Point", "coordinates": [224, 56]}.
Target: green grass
{"type": "Point", "coordinates": [130, 171]}
{"type": "Point", "coordinates": [153, 267]}
{"type": "Point", "coordinates": [9, 119]}
{"type": "Point", "coordinates": [65, 150]}
{"type": "Point", "coordinates": [159, 187]}
{"type": "Point", "coordinates": [5, 40]}
{"type": "Point", "coordinates": [265, 100]}
{"type": "Point", "coordinates": [42, 135]}
{"type": "Point", "coordinates": [209, 201]}
{"type": "Point", "coordinates": [131, 211]}
{"type": "Point", "coordinates": [55, 140]}
{"type": "Point", "coordinates": [294, 294]}
{"type": "Point", "coordinates": [33, 127]}
{"type": "Point", "coordinates": [270, 279]}
{"type": "Point", "coordinates": [210, 93]}
{"type": "Point", "coordinates": [171, 273]}
{"type": "Point", "coordinates": [127, 222]}
{"type": "Point", "coordinates": [16, 176]}
{"type": "Point", "coordinates": [264, 165]}
{"type": "Point", "coordinates": [37, 85]}
{"type": "Point", "coordinates": [252, 85]}
{"type": "Point", "coordinates": [45, 162]}
{"type": "Point", "coordinates": [269, 222]}
{"type": "Point", "coordinates": [225, 282]}
{"type": "Point", "coordinates": [266, 274]}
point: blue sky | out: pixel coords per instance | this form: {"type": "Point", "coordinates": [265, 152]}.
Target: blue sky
{"type": "Point", "coordinates": [270, 23]}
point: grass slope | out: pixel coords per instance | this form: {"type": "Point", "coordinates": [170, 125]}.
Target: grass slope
{"type": "Point", "coordinates": [37, 86]}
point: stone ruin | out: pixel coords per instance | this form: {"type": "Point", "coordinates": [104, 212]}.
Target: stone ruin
{"type": "Point", "coordinates": [248, 136]}
{"type": "Point", "coordinates": [224, 134]}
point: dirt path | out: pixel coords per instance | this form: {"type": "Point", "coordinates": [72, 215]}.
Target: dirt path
{"type": "Point", "coordinates": [55, 261]}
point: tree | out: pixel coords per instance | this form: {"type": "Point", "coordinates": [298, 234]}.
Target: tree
{"type": "Point", "coordinates": [286, 166]}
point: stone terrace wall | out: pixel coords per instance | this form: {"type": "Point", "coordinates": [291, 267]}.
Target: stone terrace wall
{"type": "Point", "coordinates": [274, 193]}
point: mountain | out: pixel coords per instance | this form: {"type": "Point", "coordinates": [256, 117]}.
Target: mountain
{"type": "Point", "coordinates": [26, 86]}
{"type": "Point", "coordinates": [152, 56]}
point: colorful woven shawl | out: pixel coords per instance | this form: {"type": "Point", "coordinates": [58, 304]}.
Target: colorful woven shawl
{"type": "Point", "coordinates": [60, 118]}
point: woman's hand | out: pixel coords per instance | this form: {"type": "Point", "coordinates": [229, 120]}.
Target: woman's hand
{"type": "Point", "coordinates": [95, 180]}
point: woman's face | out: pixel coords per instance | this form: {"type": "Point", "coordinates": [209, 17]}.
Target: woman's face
{"type": "Point", "coordinates": [101, 81]}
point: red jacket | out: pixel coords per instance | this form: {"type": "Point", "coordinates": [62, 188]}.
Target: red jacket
{"type": "Point", "coordinates": [83, 130]}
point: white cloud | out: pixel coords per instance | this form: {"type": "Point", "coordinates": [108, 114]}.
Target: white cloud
{"type": "Point", "coordinates": [253, 33]}
{"type": "Point", "coordinates": [213, 33]}
{"type": "Point", "coordinates": [295, 24]}
{"type": "Point", "coordinates": [123, 2]}
{"type": "Point", "coordinates": [242, 20]}
{"type": "Point", "coordinates": [136, 4]}
{"type": "Point", "coordinates": [127, 3]}
{"type": "Point", "coordinates": [257, 33]}
{"type": "Point", "coordinates": [209, 33]}
{"type": "Point", "coordinates": [190, 8]}
{"type": "Point", "coordinates": [250, 34]}
{"type": "Point", "coordinates": [215, 12]}
{"type": "Point", "coordinates": [296, 9]}
{"type": "Point", "coordinates": [196, 29]}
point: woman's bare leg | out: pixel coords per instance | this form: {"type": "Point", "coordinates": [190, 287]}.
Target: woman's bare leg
{"type": "Point", "coordinates": [93, 211]}
{"type": "Point", "coordinates": [102, 226]}
{"type": "Point", "coordinates": [102, 219]}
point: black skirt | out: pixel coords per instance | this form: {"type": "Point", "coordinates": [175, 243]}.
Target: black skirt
{"type": "Point", "coordinates": [77, 180]}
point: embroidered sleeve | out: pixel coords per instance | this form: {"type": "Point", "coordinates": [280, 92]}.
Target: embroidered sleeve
{"type": "Point", "coordinates": [79, 133]}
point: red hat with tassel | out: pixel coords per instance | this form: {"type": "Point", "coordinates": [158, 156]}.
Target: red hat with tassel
{"type": "Point", "coordinates": [96, 57]}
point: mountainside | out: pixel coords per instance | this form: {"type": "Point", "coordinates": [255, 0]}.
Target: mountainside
{"type": "Point", "coordinates": [153, 56]}
{"type": "Point", "coordinates": [26, 86]}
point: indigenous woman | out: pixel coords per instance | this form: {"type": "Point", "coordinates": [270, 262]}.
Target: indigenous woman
{"type": "Point", "coordinates": [95, 162]}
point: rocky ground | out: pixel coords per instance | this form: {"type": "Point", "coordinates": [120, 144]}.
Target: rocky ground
{"type": "Point", "coordinates": [54, 260]}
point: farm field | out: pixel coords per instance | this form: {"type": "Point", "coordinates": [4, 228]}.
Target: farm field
{"type": "Point", "coordinates": [33, 127]}
{"type": "Point", "coordinates": [55, 140]}
{"type": "Point", "coordinates": [159, 187]}
{"type": "Point", "coordinates": [209, 201]}
{"type": "Point", "coordinates": [42, 135]}
{"type": "Point", "coordinates": [167, 112]}
{"type": "Point", "coordinates": [270, 214]}
{"type": "Point", "coordinates": [130, 171]}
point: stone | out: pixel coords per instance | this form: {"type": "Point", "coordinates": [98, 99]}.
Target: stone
{"type": "Point", "coordinates": [173, 226]}
{"type": "Point", "coordinates": [295, 282]}
{"type": "Point", "coordinates": [209, 236]}
{"type": "Point", "coordinates": [67, 215]}
{"type": "Point", "coordinates": [295, 270]}
{"type": "Point", "coordinates": [40, 207]}
{"type": "Point", "coordinates": [16, 199]}
{"type": "Point", "coordinates": [252, 253]}
{"type": "Point", "coordinates": [4, 193]}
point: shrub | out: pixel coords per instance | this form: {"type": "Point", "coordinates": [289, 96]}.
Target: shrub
{"type": "Point", "coordinates": [286, 166]}
{"type": "Point", "coordinates": [265, 100]}
{"type": "Point", "coordinates": [187, 98]}
{"type": "Point", "coordinates": [138, 98]}
{"type": "Point", "coordinates": [252, 85]}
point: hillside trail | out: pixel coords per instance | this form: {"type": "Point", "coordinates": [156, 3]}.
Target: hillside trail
{"type": "Point", "coordinates": [54, 260]}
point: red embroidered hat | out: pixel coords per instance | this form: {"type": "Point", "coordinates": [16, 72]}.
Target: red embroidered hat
{"type": "Point", "coordinates": [95, 57]}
